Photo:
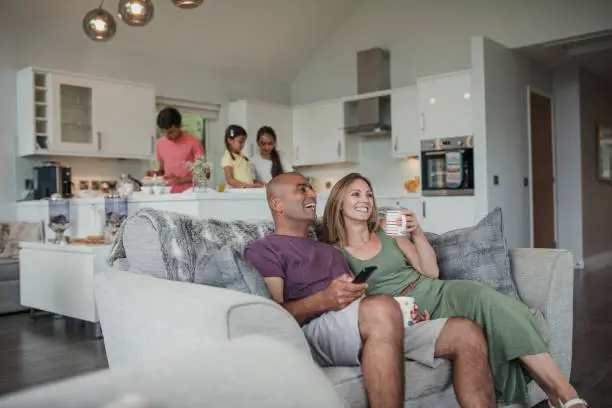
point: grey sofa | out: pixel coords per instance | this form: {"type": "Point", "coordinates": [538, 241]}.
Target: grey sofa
{"type": "Point", "coordinates": [242, 373]}
{"type": "Point", "coordinates": [142, 317]}
{"type": "Point", "coordinates": [10, 235]}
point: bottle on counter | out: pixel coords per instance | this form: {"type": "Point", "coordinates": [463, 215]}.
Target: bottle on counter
{"type": "Point", "coordinates": [125, 187]}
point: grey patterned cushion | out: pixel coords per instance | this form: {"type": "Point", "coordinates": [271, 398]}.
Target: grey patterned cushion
{"type": "Point", "coordinates": [476, 253]}
{"type": "Point", "coordinates": [227, 269]}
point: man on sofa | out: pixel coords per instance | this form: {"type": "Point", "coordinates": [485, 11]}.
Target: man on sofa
{"type": "Point", "coordinates": [312, 281]}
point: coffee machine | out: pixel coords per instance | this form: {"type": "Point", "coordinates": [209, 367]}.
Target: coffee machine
{"type": "Point", "coordinates": [52, 178]}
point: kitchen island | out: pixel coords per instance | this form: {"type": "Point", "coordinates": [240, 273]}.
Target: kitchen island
{"type": "Point", "coordinates": [87, 214]}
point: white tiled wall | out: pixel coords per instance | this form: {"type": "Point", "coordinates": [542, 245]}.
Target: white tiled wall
{"type": "Point", "coordinates": [376, 163]}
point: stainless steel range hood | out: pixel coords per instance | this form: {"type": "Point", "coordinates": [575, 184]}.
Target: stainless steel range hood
{"type": "Point", "coordinates": [370, 116]}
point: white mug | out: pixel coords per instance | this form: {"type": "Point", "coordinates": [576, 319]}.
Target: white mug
{"type": "Point", "coordinates": [407, 307]}
{"type": "Point", "coordinates": [391, 227]}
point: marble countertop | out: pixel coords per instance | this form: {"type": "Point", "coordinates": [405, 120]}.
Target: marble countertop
{"type": "Point", "coordinates": [242, 194]}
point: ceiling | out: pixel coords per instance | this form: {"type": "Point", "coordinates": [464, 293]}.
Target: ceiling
{"type": "Point", "coordinates": [271, 39]}
{"type": "Point", "coordinates": [593, 52]}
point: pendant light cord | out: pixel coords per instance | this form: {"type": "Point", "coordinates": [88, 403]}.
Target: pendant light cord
{"type": "Point", "coordinates": [101, 4]}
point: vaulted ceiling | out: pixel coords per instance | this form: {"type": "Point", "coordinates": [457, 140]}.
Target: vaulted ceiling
{"type": "Point", "coordinates": [270, 39]}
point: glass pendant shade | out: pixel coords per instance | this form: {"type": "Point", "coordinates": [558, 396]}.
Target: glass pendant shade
{"type": "Point", "coordinates": [187, 4]}
{"type": "Point", "coordinates": [136, 13]}
{"type": "Point", "coordinates": [99, 25]}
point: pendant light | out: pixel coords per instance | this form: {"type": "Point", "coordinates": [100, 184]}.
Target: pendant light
{"type": "Point", "coordinates": [136, 13]}
{"type": "Point", "coordinates": [187, 4]}
{"type": "Point", "coordinates": [99, 24]}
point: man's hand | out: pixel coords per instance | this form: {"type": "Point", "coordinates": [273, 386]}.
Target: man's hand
{"type": "Point", "coordinates": [342, 292]}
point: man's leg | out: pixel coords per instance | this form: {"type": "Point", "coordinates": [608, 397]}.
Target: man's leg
{"type": "Point", "coordinates": [463, 342]}
{"type": "Point", "coordinates": [382, 332]}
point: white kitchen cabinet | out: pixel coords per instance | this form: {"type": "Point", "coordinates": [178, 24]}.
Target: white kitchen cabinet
{"type": "Point", "coordinates": [405, 133]}
{"type": "Point", "coordinates": [125, 125]}
{"type": "Point", "coordinates": [445, 105]}
{"type": "Point", "coordinates": [62, 113]}
{"type": "Point", "coordinates": [252, 115]}
{"type": "Point", "coordinates": [319, 136]}
{"type": "Point", "coordinates": [409, 203]}
{"type": "Point", "coordinates": [443, 214]}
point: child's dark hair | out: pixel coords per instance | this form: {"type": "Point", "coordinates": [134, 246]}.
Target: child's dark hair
{"type": "Point", "coordinates": [232, 132]}
{"type": "Point", "coordinates": [277, 166]}
{"type": "Point", "coordinates": [169, 117]}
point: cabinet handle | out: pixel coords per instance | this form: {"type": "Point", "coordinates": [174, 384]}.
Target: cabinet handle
{"type": "Point", "coordinates": [297, 153]}
{"type": "Point", "coordinates": [339, 145]}
{"type": "Point", "coordinates": [395, 144]}
{"type": "Point", "coordinates": [99, 140]}
{"type": "Point", "coordinates": [424, 209]}
{"type": "Point", "coordinates": [152, 144]}
{"type": "Point", "coordinates": [422, 121]}
{"type": "Point", "coordinates": [251, 152]}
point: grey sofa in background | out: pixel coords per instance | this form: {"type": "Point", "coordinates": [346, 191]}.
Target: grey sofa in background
{"type": "Point", "coordinates": [249, 372]}
{"type": "Point", "coordinates": [143, 317]}
{"type": "Point", "coordinates": [10, 235]}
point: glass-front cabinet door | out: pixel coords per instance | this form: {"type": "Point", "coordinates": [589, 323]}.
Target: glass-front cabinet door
{"type": "Point", "coordinates": [72, 104]}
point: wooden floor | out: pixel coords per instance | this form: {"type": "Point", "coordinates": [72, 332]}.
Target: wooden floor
{"type": "Point", "coordinates": [50, 349]}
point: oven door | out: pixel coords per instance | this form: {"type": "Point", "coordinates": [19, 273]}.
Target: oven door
{"type": "Point", "coordinates": [447, 172]}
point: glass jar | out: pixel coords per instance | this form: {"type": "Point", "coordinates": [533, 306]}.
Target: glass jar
{"type": "Point", "coordinates": [59, 217]}
{"type": "Point", "coordinates": [116, 210]}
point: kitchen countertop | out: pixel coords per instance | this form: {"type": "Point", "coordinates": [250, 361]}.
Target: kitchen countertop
{"type": "Point", "coordinates": [242, 194]}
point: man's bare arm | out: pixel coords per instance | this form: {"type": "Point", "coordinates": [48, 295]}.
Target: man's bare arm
{"type": "Point", "coordinates": [338, 295]}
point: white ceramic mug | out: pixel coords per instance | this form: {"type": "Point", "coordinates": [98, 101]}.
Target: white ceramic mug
{"type": "Point", "coordinates": [407, 307]}
{"type": "Point", "coordinates": [391, 224]}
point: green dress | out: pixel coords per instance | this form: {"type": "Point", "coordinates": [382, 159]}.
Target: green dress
{"type": "Point", "coordinates": [508, 325]}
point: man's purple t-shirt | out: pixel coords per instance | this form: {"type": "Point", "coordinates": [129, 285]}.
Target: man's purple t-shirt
{"type": "Point", "coordinates": [307, 266]}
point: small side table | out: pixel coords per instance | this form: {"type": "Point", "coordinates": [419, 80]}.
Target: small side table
{"type": "Point", "coordinates": [59, 278]}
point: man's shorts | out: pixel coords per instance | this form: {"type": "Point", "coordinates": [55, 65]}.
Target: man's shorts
{"type": "Point", "coordinates": [335, 340]}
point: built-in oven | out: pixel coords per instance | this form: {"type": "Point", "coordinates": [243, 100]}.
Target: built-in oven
{"type": "Point", "coordinates": [447, 166]}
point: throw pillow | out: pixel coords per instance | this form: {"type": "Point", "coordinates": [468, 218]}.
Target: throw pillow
{"type": "Point", "coordinates": [476, 253]}
{"type": "Point", "coordinates": [4, 232]}
{"type": "Point", "coordinates": [227, 269]}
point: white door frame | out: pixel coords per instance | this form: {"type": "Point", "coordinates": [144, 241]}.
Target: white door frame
{"type": "Point", "coordinates": [554, 162]}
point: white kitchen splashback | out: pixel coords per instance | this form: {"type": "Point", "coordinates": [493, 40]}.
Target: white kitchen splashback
{"type": "Point", "coordinates": [386, 174]}
{"type": "Point", "coordinates": [83, 168]}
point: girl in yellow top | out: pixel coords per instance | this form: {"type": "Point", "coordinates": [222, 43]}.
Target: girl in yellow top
{"type": "Point", "coordinates": [237, 168]}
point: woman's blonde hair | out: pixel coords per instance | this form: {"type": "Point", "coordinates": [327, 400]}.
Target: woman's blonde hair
{"type": "Point", "coordinates": [334, 228]}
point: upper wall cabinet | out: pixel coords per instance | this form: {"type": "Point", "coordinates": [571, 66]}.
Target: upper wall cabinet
{"type": "Point", "coordinates": [405, 133]}
{"type": "Point", "coordinates": [74, 115]}
{"type": "Point", "coordinates": [252, 115]}
{"type": "Point", "coordinates": [319, 136]}
{"type": "Point", "coordinates": [445, 105]}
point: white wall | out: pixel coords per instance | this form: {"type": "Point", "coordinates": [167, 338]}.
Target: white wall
{"type": "Point", "coordinates": [375, 162]}
{"type": "Point", "coordinates": [566, 91]}
{"type": "Point", "coordinates": [506, 75]}
{"type": "Point", "coordinates": [433, 37]}
{"type": "Point", "coordinates": [56, 41]}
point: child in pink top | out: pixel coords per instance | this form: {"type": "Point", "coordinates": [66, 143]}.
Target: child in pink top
{"type": "Point", "coordinates": [174, 149]}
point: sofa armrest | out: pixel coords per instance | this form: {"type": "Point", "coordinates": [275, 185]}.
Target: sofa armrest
{"type": "Point", "coordinates": [545, 281]}
{"type": "Point", "coordinates": [143, 317]}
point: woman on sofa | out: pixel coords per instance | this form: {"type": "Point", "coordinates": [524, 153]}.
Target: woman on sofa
{"type": "Point", "coordinates": [408, 267]}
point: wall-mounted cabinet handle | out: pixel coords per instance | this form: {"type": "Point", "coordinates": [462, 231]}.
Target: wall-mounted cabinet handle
{"type": "Point", "coordinates": [152, 144]}
{"type": "Point", "coordinates": [297, 153]}
{"type": "Point", "coordinates": [99, 140]}
{"type": "Point", "coordinates": [339, 148]}
{"type": "Point", "coordinates": [395, 144]}
{"type": "Point", "coordinates": [424, 209]}
{"type": "Point", "coordinates": [251, 150]}
{"type": "Point", "coordinates": [422, 121]}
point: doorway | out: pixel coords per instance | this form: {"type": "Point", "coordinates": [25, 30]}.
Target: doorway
{"type": "Point", "coordinates": [542, 169]}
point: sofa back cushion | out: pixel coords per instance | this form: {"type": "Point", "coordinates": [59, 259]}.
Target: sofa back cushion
{"type": "Point", "coordinates": [228, 269]}
{"type": "Point", "coordinates": [476, 253]}
{"type": "Point", "coordinates": [18, 231]}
